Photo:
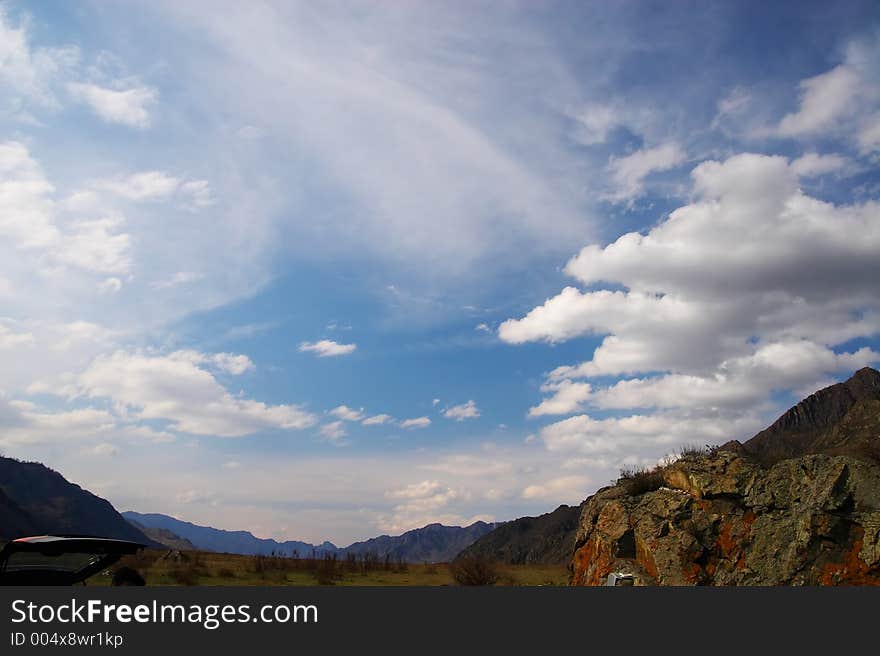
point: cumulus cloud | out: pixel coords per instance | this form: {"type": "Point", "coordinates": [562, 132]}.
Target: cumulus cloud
{"type": "Point", "coordinates": [176, 389]}
{"type": "Point", "coordinates": [812, 164]}
{"type": "Point", "coordinates": [568, 397]}
{"type": "Point", "coordinates": [130, 107]}
{"type": "Point", "coordinates": [347, 414]}
{"type": "Point", "coordinates": [628, 173]}
{"type": "Point", "coordinates": [841, 101]}
{"type": "Point", "coordinates": [327, 348]}
{"type": "Point", "coordinates": [29, 222]}
{"type": "Point", "coordinates": [417, 422]}
{"type": "Point", "coordinates": [566, 489]}
{"type": "Point", "coordinates": [749, 289]}
{"type": "Point", "coordinates": [824, 98]}
{"type": "Point", "coordinates": [23, 422]}
{"type": "Point", "coordinates": [464, 411]}
{"type": "Point", "coordinates": [377, 420]}
{"type": "Point", "coordinates": [421, 504]}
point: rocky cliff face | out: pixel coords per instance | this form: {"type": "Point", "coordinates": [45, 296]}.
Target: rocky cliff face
{"type": "Point", "coordinates": [798, 504]}
{"type": "Point", "coordinates": [722, 520]}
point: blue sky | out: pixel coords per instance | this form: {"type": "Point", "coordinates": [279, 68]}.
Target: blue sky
{"type": "Point", "coordinates": [330, 271]}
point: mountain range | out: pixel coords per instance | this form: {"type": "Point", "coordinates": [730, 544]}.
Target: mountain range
{"type": "Point", "coordinates": [431, 543]}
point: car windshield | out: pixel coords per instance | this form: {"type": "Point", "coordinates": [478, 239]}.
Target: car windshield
{"type": "Point", "coordinates": [60, 562]}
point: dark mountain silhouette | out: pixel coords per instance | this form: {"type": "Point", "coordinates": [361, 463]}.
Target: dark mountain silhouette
{"type": "Point", "coordinates": [434, 543]}
{"type": "Point", "coordinates": [546, 539]}
{"type": "Point", "coordinates": [843, 419]}
{"type": "Point", "coordinates": [35, 499]}
{"type": "Point", "coordinates": [14, 522]}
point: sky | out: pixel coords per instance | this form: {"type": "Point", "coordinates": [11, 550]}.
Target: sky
{"type": "Point", "coordinates": [324, 271]}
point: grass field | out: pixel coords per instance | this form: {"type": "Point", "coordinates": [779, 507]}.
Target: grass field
{"type": "Point", "coordinates": [207, 568]}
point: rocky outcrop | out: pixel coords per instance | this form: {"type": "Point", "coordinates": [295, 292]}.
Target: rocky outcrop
{"type": "Point", "coordinates": [722, 519]}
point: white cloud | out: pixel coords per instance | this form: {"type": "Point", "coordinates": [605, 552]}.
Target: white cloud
{"type": "Point", "coordinates": [26, 209]}
{"type": "Point", "coordinates": [231, 464]}
{"type": "Point", "coordinates": [347, 414]}
{"type": "Point", "coordinates": [813, 164]}
{"type": "Point", "coordinates": [482, 328]}
{"type": "Point", "coordinates": [333, 431]}
{"type": "Point", "coordinates": [464, 411]}
{"type": "Point", "coordinates": [843, 101]}
{"type": "Point", "coordinates": [104, 449]}
{"type": "Point", "coordinates": [179, 278]}
{"type": "Point", "coordinates": [10, 339]}
{"type": "Point", "coordinates": [148, 185]}
{"type": "Point", "coordinates": [868, 136]}
{"type": "Point", "coordinates": [423, 503]}
{"type": "Point", "coordinates": [327, 348]}
{"type": "Point", "coordinates": [97, 246]}
{"type": "Point", "coordinates": [644, 433]}
{"type": "Point", "coordinates": [28, 74]}
{"type": "Point", "coordinates": [23, 422]}
{"type": "Point", "coordinates": [628, 173]}
{"type": "Point", "coordinates": [129, 107]}
{"type": "Point", "coordinates": [417, 422]}
{"type": "Point", "coordinates": [174, 388]}
{"type": "Point", "coordinates": [159, 186]}
{"type": "Point", "coordinates": [568, 397]}
{"type": "Point", "coordinates": [565, 489]}
{"type": "Point", "coordinates": [595, 122]}
{"type": "Point", "coordinates": [748, 290]}
{"type": "Point", "coordinates": [377, 420]}
{"type": "Point", "coordinates": [824, 98]}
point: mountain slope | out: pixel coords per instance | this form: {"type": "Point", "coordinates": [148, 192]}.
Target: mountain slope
{"type": "Point", "coordinates": [546, 539]}
{"type": "Point", "coordinates": [14, 522]}
{"type": "Point", "coordinates": [165, 537]}
{"type": "Point", "coordinates": [843, 419]}
{"type": "Point", "coordinates": [434, 543]}
{"type": "Point", "coordinates": [41, 500]}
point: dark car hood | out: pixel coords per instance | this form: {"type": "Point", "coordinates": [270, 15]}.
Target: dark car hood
{"type": "Point", "coordinates": [59, 559]}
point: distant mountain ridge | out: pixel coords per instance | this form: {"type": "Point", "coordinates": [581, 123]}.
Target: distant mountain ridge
{"type": "Point", "coordinates": [547, 539]}
{"type": "Point", "coordinates": [165, 537]}
{"type": "Point", "coordinates": [220, 540]}
{"type": "Point", "coordinates": [434, 543]}
{"type": "Point", "coordinates": [37, 500]}
{"type": "Point", "coordinates": [431, 543]}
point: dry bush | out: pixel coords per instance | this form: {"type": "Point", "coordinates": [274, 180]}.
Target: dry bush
{"type": "Point", "coordinates": [640, 481]}
{"type": "Point", "coordinates": [474, 570]}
